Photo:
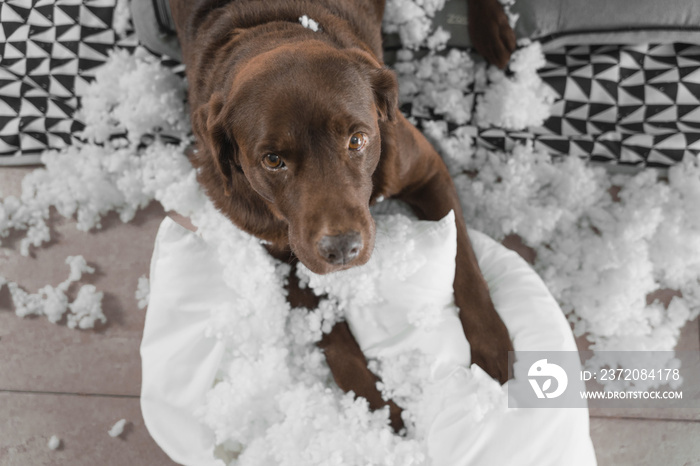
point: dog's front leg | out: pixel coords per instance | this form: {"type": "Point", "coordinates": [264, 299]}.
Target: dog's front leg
{"type": "Point", "coordinates": [490, 31]}
{"type": "Point", "coordinates": [349, 368]}
{"type": "Point", "coordinates": [429, 189]}
{"type": "Point", "coordinates": [344, 356]}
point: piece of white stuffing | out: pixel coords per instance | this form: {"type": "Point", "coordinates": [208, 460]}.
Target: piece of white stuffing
{"type": "Point", "coordinates": [411, 20]}
{"type": "Point", "coordinates": [54, 442]}
{"type": "Point", "coordinates": [143, 292]}
{"type": "Point", "coordinates": [519, 101]}
{"type": "Point", "coordinates": [364, 290]}
{"type": "Point", "coordinates": [83, 312]}
{"type": "Point", "coordinates": [309, 23]}
{"type": "Point", "coordinates": [322, 427]}
{"type": "Point", "coordinates": [600, 256]}
{"type": "Point", "coordinates": [525, 193]}
{"type": "Point", "coordinates": [133, 93]}
{"type": "Point", "coordinates": [117, 429]}
{"type": "Point", "coordinates": [88, 181]}
{"type": "Point", "coordinates": [122, 17]}
{"type": "Point", "coordinates": [86, 309]}
{"type": "Point", "coordinates": [438, 84]}
{"type": "Point", "coordinates": [512, 16]}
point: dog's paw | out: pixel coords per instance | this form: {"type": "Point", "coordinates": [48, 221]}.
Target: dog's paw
{"type": "Point", "coordinates": [395, 418]}
{"type": "Point", "coordinates": [485, 331]}
{"type": "Point", "coordinates": [491, 354]}
{"type": "Point", "coordinates": [490, 32]}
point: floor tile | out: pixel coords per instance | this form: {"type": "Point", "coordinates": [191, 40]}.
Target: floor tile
{"type": "Point", "coordinates": [27, 421]}
{"type": "Point", "coordinates": [689, 341]}
{"type": "Point", "coordinates": [623, 442]}
{"type": "Point", "coordinates": [40, 356]}
{"type": "Point", "coordinates": [11, 180]}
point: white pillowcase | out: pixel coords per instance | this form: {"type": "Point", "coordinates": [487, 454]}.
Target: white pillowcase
{"type": "Point", "coordinates": [400, 302]}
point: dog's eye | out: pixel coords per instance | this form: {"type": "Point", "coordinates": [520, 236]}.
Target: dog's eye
{"type": "Point", "coordinates": [273, 161]}
{"type": "Point", "coordinates": [357, 141]}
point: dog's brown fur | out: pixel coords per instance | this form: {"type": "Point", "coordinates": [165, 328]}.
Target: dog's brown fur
{"type": "Point", "coordinates": [261, 83]}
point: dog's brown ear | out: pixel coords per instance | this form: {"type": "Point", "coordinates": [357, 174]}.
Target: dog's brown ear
{"type": "Point", "coordinates": [386, 93]}
{"type": "Point", "coordinates": [208, 123]}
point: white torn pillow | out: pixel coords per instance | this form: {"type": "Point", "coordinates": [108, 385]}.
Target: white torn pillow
{"type": "Point", "coordinates": [401, 312]}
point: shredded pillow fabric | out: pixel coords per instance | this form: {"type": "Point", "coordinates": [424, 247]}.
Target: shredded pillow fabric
{"type": "Point", "coordinates": [228, 366]}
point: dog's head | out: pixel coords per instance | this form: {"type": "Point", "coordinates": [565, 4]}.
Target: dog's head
{"type": "Point", "coordinates": [301, 124]}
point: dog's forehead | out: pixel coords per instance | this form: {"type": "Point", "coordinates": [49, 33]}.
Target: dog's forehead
{"type": "Point", "coordinates": [293, 92]}
{"type": "Point", "coordinates": [311, 69]}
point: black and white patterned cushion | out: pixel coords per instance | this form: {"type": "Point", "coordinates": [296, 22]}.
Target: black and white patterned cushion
{"type": "Point", "coordinates": [637, 105]}
{"type": "Point", "coordinates": [49, 50]}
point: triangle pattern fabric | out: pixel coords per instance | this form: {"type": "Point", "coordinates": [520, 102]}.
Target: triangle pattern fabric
{"type": "Point", "coordinates": [607, 72]}
{"type": "Point", "coordinates": [632, 77]}
{"type": "Point", "coordinates": [603, 92]}
{"type": "Point", "coordinates": [633, 156]}
{"type": "Point", "coordinates": [627, 104]}
{"type": "Point", "coordinates": [37, 19]}
{"type": "Point", "coordinates": [693, 140]}
{"type": "Point", "coordinates": [663, 158]}
{"type": "Point", "coordinates": [625, 98]}
{"type": "Point", "coordinates": [48, 49]}
{"type": "Point", "coordinates": [7, 111]}
{"type": "Point", "coordinates": [654, 96]}
{"type": "Point", "coordinates": [689, 62]}
{"type": "Point", "coordinates": [63, 18]}
{"type": "Point", "coordinates": [37, 49]}
{"type": "Point", "coordinates": [33, 141]}
{"type": "Point", "coordinates": [10, 130]}
{"type": "Point", "coordinates": [26, 4]}
{"type": "Point", "coordinates": [647, 95]}
{"type": "Point", "coordinates": [10, 89]}
{"type": "Point", "coordinates": [574, 92]}
{"type": "Point", "coordinates": [11, 14]}
{"type": "Point", "coordinates": [684, 96]}
{"type": "Point", "coordinates": [11, 52]}
{"type": "Point", "coordinates": [90, 19]}
{"type": "Point", "coordinates": [671, 75]}
{"type": "Point", "coordinates": [579, 111]}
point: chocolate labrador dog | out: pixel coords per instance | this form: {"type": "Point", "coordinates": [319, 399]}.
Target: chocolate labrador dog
{"type": "Point", "coordinates": [299, 132]}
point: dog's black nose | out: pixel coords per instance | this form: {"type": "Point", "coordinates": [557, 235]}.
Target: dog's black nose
{"type": "Point", "coordinates": [340, 249]}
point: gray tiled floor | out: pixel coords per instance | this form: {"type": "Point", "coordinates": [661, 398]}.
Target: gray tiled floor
{"type": "Point", "coordinates": [71, 383]}
{"type": "Point", "coordinates": [82, 423]}
{"type": "Point", "coordinates": [77, 384]}
{"type": "Point", "coordinates": [644, 442]}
